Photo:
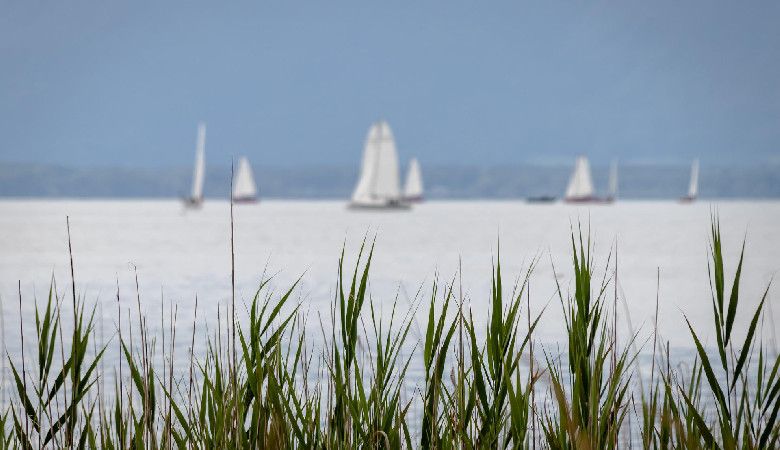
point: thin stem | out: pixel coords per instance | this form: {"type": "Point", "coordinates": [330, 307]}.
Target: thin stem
{"type": "Point", "coordinates": [24, 372]}
{"type": "Point", "coordinates": [192, 353]}
{"type": "Point", "coordinates": [74, 379]}
{"type": "Point", "coordinates": [233, 298]}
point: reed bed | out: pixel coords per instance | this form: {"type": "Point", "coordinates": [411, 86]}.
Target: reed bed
{"type": "Point", "coordinates": [261, 384]}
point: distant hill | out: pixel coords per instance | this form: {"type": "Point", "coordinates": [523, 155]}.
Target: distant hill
{"type": "Point", "coordinates": [441, 182]}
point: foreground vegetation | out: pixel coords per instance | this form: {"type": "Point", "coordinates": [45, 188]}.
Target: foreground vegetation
{"type": "Point", "coordinates": [260, 384]}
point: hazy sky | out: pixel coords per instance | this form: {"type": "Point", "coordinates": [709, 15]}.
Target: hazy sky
{"type": "Point", "coordinates": [125, 84]}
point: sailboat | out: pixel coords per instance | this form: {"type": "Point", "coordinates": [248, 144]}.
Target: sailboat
{"type": "Point", "coordinates": [613, 181]}
{"type": "Point", "coordinates": [413, 189]}
{"type": "Point", "coordinates": [541, 199]}
{"type": "Point", "coordinates": [580, 189]}
{"type": "Point", "coordinates": [244, 189]}
{"type": "Point", "coordinates": [379, 185]}
{"type": "Point", "coordinates": [196, 194]}
{"type": "Point", "coordinates": [693, 187]}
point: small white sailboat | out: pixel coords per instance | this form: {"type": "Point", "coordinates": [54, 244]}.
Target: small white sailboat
{"type": "Point", "coordinates": [613, 181]}
{"type": "Point", "coordinates": [413, 189]}
{"type": "Point", "coordinates": [379, 185]}
{"type": "Point", "coordinates": [580, 189]}
{"type": "Point", "coordinates": [196, 194]}
{"type": "Point", "coordinates": [693, 187]}
{"type": "Point", "coordinates": [244, 189]}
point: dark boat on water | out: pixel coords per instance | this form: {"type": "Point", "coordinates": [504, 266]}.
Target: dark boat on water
{"type": "Point", "coordinates": [541, 199]}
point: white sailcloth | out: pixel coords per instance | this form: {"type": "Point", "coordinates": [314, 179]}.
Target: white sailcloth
{"type": "Point", "coordinates": [362, 192]}
{"type": "Point", "coordinates": [693, 188]}
{"type": "Point", "coordinates": [200, 164]}
{"type": "Point", "coordinates": [244, 185]}
{"type": "Point", "coordinates": [414, 184]}
{"type": "Point", "coordinates": [613, 180]}
{"type": "Point", "coordinates": [580, 183]}
{"type": "Point", "coordinates": [387, 181]}
{"type": "Point", "coordinates": [379, 180]}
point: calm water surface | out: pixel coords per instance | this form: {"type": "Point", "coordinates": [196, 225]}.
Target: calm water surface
{"type": "Point", "coordinates": [180, 254]}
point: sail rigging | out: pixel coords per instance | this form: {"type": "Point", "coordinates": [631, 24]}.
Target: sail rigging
{"type": "Point", "coordinates": [244, 186]}
{"type": "Point", "coordinates": [693, 187]}
{"type": "Point", "coordinates": [413, 189]}
{"type": "Point", "coordinates": [379, 183]}
{"type": "Point", "coordinates": [196, 192]}
{"type": "Point", "coordinates": [580, 184]}
{"type": "Point", "coordinates": [613, 180]}
{"type": "Point", "coordinates": [363, 188]}
{"type": "Point", "coordinates": [200, 164]}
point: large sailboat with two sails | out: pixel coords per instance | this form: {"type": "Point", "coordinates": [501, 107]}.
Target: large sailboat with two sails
{"type": "Point", "coordinates": [580, 188]}
{"type": "Point", "coordinates": [379, 185]}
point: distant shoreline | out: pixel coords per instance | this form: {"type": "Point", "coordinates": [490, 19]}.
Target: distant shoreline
{"type": "Point", "coordinates": [513, 182]}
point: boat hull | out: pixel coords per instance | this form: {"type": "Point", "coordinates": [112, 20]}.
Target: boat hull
{"type": "Point", "coordinates": [418, 199]}
{"type": "Point", "coordinates": [542, 199]}
{"type": "Point", "coordinates": [192, 203]}
{"type": "Point", "coordinates": [686, 199]}
{"type": "Point", "coordinates": [245, 200]}
{"type": "Point", "coordinates": [589, 200]}
{"type": "Point", "coordinates": [380, 206]}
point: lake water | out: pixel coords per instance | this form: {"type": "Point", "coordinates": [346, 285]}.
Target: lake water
{"type": "Point", "coordinates": [180, 254]}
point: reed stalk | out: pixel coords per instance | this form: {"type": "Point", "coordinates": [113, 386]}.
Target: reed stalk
{"type": "Point", "coordinates": [260, 383]}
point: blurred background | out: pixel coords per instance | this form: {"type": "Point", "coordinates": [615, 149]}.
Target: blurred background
{"type": "Point", "coordinates": [103, 100]}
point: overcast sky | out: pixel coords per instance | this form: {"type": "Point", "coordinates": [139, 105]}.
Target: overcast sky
{"type": "Point", "coordinates": [124, 84]}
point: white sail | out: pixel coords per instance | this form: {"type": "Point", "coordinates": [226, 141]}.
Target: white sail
{"type": "Point", "coordinates": [613, 180]}
{"type": "Point", "coordinates": [244, 185]}
{"type": "Point", "coordinates": [693, 188]}
{"type": "Point", "coordinates": [379, 181]}
{"type": "Point", "coordinates": [387, 179]}
{"type": "Point", "coordinates": [580, 183]}
{"type": "Point", "coordinates": [414, 184]}
{"type": "Point", "coordinates": [362, 192]}
{"type": "Point", "coordinates": [200, 165]}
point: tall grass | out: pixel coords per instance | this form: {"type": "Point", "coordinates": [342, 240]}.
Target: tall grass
{"type": "Point", "coordinates": [590, 413]}
{"type": "Point", "coordinates": [746, 395]}
{"type": "Point", "coordinates": [262, 384]}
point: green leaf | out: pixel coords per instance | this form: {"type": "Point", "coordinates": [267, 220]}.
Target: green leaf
{"type": "Point", "coordinates": [711, 379]}
{"type": "Point", "coordinates": [743, 354]}
{"type": "Point", "coordinates": [701, 425]}
{"type": "Point", "coordinates": [732, 312]}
